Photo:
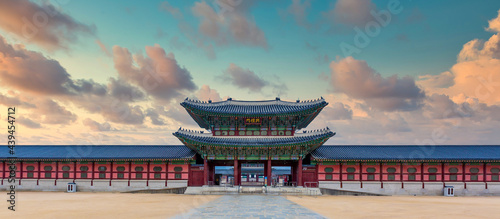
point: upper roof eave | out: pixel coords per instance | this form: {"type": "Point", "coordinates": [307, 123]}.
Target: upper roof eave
{"type": "Point", "coordinates": [253, 108]}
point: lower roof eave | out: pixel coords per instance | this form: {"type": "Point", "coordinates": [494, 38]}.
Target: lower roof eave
{"type": "Point", "coordinates": [95, 159]}
{"type": "Point", "coordinates": [409, 160]}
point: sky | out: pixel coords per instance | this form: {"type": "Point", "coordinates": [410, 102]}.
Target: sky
{"type": "Point", "coordinates": [114, 72]}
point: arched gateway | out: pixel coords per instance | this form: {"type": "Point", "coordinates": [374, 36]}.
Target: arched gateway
{"type": "Point", "coordinates": [255, 133]}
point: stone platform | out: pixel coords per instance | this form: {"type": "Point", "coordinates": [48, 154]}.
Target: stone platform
{"type": "Point", "coordinates": [220, 190]}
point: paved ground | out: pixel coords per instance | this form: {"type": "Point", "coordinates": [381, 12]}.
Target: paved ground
{"type": "Point", "coordinates": [250, 206]}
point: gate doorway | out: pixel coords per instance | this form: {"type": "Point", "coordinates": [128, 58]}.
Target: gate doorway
{"type": "Point", "coordinates": [252, 174]}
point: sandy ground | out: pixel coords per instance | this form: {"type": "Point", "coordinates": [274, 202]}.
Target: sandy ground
{"type": "Point", "coordinates": [401, 206]}
{"type": "Point", "coordinates": [101, 205]}
{"type": "Point", "coordinates": [125, 205]}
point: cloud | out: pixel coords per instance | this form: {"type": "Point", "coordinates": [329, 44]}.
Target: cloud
{"type": "Point", "coordinates": [14, 101]}
{"type": "Point", "coordinates": [243, 78]}
{"type": "Point", "coordinates": [350, 13]}
{"type": "Point", "coordinates": [476, 73]}
{"type": "Point", "coordinates": [440, 106]}
{"type": "Point", "coordinates": [358, 80]}
{"type": "Point", "coordinates": [154, 116]}
{"type": "Point", "coordinates": [479, 79]}
{"type": "Point", "coordinates": [443, 80]}
{"type": "Point", "coordinates": [232, 24]}
{"type": "Point", "coordinates": [53, 113]}
{"type": "Point", "coordinates": [28, 122]}
{"type": "Point", "coordinates": [299, 11]}
{"type": "Point", "coordinates": [175, 12]}
{"type": "Point", "coordinates": [494, 24]}
{"type": "Point", "coordinates": [477, 49]}
{"type": "Point", "coordinates": [416, 16]}
{"type": "Point", "coordinates": [103, 47]}
{"type": "Point", "coordinates": [158, 74]}
{"type": "Point", "coordinates": [95, 126]}
{"type": "Point", "coordinates": [337, 111]}
{"type": "Point", "coordinates": [206, 93]}
{"type": "Point", "coordinates": [123, 91]}
{"type": "Point", "coordinates": [41, 24]}
{"type": "Point", "coordinates": [31, 71]}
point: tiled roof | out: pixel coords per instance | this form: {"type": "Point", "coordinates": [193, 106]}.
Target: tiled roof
{"type": "Point", "coordinates": [207, 138]}
{"type": "Point", "coordinates": [251, 108]}
{"type": "Point", "coordinates": [78, 152]}
{"type": "Point", "coordinates": [408, 152]}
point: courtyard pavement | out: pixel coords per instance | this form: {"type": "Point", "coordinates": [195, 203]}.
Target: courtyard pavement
{"type": "Point", "coordinates": [250, 206]}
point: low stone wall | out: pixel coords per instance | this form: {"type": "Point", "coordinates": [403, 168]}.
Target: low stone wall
{"type": "Point", "coordinates": [89, 185]}
{"type": "Point", "coordinates": [416, 188]}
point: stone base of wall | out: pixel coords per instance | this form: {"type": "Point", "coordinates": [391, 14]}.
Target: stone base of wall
{"type": "Point", "coordinates": [96, 185]}
{"type": "Point", "coordinates": [416, 188]}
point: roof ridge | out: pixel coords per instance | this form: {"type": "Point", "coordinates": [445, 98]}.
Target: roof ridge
{"type": "Point", "coordinates": [230, 100]}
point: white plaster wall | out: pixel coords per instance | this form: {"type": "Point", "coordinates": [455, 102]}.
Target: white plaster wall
{"type": "Point", "coordinates": [176, 183]}
{"type": "Point", "coordinates": [433, 188]}
{"type": "Point", "coordinates": [372, 187]}
{"type": "Point", "coordinates": [494, 188]}
{"type": "Point", "coordinates": [119, 185]}
{"type": "Point", "coordinates": [138, 184]}
{"type": "Point", "coordinates": [351, 185]}
{"type": "Point", "coordinates": [329, 184]}
{"type": "Point", "coordinates": [157, 184]}
{"type": "Point", "coordinates": [475, 188]}
{"type": "Point", "coordinates": [392, 188]}
{"type": "Point", "coordinates": [83, 185]}
{"type": "Point", "coordinates": [412, 188]}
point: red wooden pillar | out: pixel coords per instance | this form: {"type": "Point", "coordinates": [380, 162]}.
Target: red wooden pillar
{"type": "Point", "coordinates": [189, 174]}
{"type": "Point", "coordinates": [463, 175]}
{"type": "Point", "coordinates": [484, 176]}
{"type": "Point", "coordinates": [299, 173]}
{"type": "Point", "coordinates": [401, 175]}
{"type": "Point", "coordinates": [147, 172]}
{"type": "Point", "coordinates": [166, 173]}
{"type": "Point", "coordinates": [3, 172]}
{"type": "Point", "coordinates": [111, 174]}
{"type": "Point", "coordinates": [236, 172]}
{"type": "Point", "coordinates": [93, 166]}
{"type": "Point", "coordinates": [381, 175]}
{"type": "Point", "coordinates": [205, 172]}
{"type": "Point", "coordinates": [21, 175]}
{"type": "Point", "coordinates": [269, 172]}
{"type": "Point", "coordinates": [129, 172]}
{"type": "Point", "coordinates": [74, 171]}
{"type": "Point", "coordinates": [361, 174]}
{"type": "Point", "coordinates": [341, 175]}
{"type": "Point", "coordinates": [422, 175]}
{"type": "Point", "coordinates": [57, 172]}
{"type": "Point", "coordinates": [39, 173]}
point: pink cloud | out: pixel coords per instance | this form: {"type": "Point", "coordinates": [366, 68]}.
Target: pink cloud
{"type": "Point", "coordinates": [229, 26]}
{"type": "Point", "coordinates": [158, 73]}
{"type": "Point", "coordinates": [244, 78]}
{"type": "Point", "coordinates": [358, 80]}
{"type": "Point", "coordinates": [43, 24]}
{"type": "Point", "coordinates": [206, 93]}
